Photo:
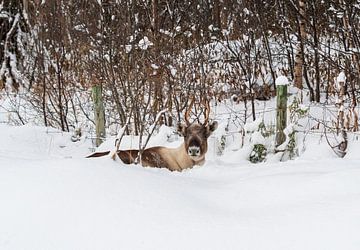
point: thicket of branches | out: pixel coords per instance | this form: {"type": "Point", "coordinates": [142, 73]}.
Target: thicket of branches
{"type": "Point", "coordinates": [154, 54]}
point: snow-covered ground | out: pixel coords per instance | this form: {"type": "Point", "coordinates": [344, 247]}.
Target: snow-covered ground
{"type": "Point", "coordinates": [51, 197]}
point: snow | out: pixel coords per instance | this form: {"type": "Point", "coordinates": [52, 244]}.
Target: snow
{"type": "Point", "coordinates": [128, 48]}
{"type": "Point", "coordinates": [341, 77]}
{"type": "Point", "coordinates": [258, 138]}
{"type": "Point", "coordinates": [4, 15]}
{"type": "Point", "coordinates": [173, 70]}
{"type": "Point", "coordinates": [281, 80]}
{"type": "Point", "coordinates": [154, 66]}
{"type": "Point", "coordinates": [253, 126]}
{"type": "Point", "coordinates": [54, 198]}
{"type": "Point", "coordinates": [145, 43]}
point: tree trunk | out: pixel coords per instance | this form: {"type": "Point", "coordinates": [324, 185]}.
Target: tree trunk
{"type": "Point", "coordinates": [341, 129]}
{"type": "Point", "coordinates": [217, 14]}
{"type": "Point", "coordinates": [349, 64]}
{"type": "Point", "coordinates": [316, 52]}
{"type": "Point", "coordinates": [99, 114]}
{"type": "Point", "coordinates": [8, 47]}
{"type": "Point", "coordinates": [299, 58]}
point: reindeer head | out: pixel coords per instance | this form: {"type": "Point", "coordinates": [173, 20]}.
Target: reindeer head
{"type": "Point", "coordinates": [196, 134]}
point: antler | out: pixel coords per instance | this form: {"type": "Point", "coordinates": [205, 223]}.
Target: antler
{"type": "Point", "coordinates": [187, 112]}
{"type": "Point", "coordinates": [207, 111]}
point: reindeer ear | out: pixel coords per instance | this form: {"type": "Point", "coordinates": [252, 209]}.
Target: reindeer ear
{"type": "Point", "coordinates": [181, 129]}
{"type": "Point", "coordinates": [211, 128]}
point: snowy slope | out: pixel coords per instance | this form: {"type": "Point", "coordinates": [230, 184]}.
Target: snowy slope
{"type": "Point", "coordinates": [53, 198]}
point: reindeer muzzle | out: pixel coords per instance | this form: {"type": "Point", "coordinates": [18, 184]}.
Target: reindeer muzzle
{"type": "Point", "coordinates": [194, 151]}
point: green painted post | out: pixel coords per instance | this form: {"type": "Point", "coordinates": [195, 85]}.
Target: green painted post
{"type": "Point", "coordinates": [99, 114]}
{"type": "Point", "coordinates": [281, 109]}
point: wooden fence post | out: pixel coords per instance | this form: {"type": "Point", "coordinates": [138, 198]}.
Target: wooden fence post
{"type": "Point", "coordinates": [99, 114]}
{"type": "Point", "coordinates": [281, 109]}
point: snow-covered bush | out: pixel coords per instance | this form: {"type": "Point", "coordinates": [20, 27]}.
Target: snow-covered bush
{"type": "Point", "coordinates": [258, 154]}
{"type": "Point", "coordinates": [289, 148]}
{"type": "Point", "coordinates": [297, 110]}
{"type": "Point", "coordinates": [261, 136]}
{"type": "Point", "coordinates": [221, 144]}
{"type": "Point", "coordinates": [260, 139]}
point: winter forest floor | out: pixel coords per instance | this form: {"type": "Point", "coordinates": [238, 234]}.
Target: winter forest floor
{"type": "Point", "coordinates": [53, 198]}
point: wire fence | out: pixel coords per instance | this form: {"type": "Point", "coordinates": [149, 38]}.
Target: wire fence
{"type": "Point", "coordinates": [319, 118]}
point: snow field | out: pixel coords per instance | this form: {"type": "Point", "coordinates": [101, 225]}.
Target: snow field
{"type": "Point", "coordinates": [53, 198]}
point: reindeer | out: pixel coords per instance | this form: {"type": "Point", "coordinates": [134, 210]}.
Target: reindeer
{"type": "Point", "coordinates": [190, 153]}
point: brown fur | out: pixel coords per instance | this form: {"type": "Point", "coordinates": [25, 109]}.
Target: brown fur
{"type": "Point", "coordinates": [174, 159]}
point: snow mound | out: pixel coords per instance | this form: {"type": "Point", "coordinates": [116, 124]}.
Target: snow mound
{"type": "Point", "coordinates": [281, 80]}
